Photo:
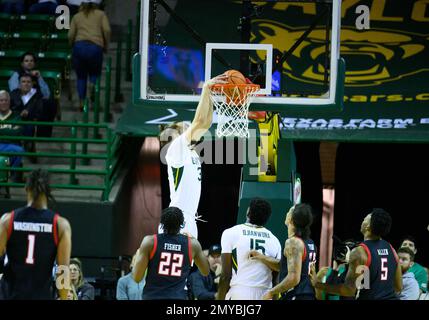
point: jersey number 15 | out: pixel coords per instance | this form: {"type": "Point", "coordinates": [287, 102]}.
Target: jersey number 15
{"type": "Point", "coordinates": [257, 244]}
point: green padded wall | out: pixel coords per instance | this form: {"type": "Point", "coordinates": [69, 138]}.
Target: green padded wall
{"type": "Point", "coordinates": [279, 194]}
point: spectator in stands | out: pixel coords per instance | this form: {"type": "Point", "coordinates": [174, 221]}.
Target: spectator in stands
{"type": "Point", "coordinates": [425, 296]}
{"type": "Point", "coordinates": [10, 130]}
{"type": "Point", "coordinates": [75, 4]}
{"type": "Point", "coordinates": [90, 35]}
{"type": "Point", "coordinates": [127, 288]}
{"type": "Point", "coordinates": [43, 7]}
{"type": "Point", "coordinates": [49, 105]}
{"type": "Point", "coordinates": [410, 287]}
{"type": "Point", "coordinates": [28, 66]}
{"type": "Point", "coordinates": [84, 290]}
{"type": "Point", "coordinates": [27, 102]}
{"type": "Point", "coordinates": [72, 295]}
{"type": "Point", "coordinates": [336, 274]}
{"type": "Point", "coordinates": [205, 288]}
{"type": "Point", "coordinates": [418, 270]}
{"type": "Point", "coordinates": [12, 6]}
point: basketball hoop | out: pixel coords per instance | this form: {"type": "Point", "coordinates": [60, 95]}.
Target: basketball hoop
{"type": "Point", "coordinates": [231, 103]}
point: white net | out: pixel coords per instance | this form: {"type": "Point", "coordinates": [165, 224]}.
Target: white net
{"type": "Point", "coordinates": [231, 103]}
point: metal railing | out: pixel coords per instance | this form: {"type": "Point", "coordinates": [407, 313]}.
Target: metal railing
{"type": "Point", "coordinates": [109, 156]}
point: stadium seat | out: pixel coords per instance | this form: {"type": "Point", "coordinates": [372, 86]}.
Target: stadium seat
{"type": "Point", "coordinates": [53, 79]}
{"type": "Point", "coordinates": [55, 61]}
{"type": "Point", "coordinates": [34, 22]}
{"type": "Point", "coordinates": [58, 42]}
{"type": "Point", "coordinates": [10, 59]}
{"type": "Point", "coordinates": [6, 22]}
{"type": "Point", "coordinates": [4, 78]}
{"type": "Point", "coordinates": [4, 175]}
{"type": "Point", "coordinates": [28, 41]}
{"type": "Point", "coordinates": [4, 40]}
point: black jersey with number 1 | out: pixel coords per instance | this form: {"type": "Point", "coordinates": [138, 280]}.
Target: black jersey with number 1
{"type": "Point", "coordinates": [31, 251]}
{"type": "Point", "coordinates": [169, 266]}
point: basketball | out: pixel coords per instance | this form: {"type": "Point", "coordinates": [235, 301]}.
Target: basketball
{"type": "Point", "coordinates": [234, 77]}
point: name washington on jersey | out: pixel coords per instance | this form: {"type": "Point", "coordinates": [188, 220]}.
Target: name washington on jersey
{"type": "Point", "coordinates": [32, 227]}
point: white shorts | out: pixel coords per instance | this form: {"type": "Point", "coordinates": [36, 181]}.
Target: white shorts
{"type": "Point", "coordinates": [190, 226]}
{"type": "Point", "coordinates": [245, 293]}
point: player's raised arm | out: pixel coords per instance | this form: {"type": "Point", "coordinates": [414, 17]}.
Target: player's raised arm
{"type": "Point", "coordinates": [142, 258]}
{"type": "Point", "coordinates": [64, 252]}
{"type": "Point", "coordinates": [199, 258]}
{"type": "Point", "coordinates": [358, 259]}
{"type": "Point", "coordinates": [294, 249]}
{"type": "Point", "coordinates": [204, 113]}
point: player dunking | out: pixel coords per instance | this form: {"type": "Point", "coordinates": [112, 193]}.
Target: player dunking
{"type": "Point", "coordinates": [242, 277]}
{"type": "Point", "coordinates": [184, 167]}
{"type": "Point", "coordinates": [298, 257]}
{"type": "Point", "coordinates": [32, 238]}
{"type": "Point", "coordinates": [167, 257]}
{"type": "Point", "coordinates": [385, 277]}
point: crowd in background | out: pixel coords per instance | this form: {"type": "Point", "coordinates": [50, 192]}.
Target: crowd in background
{"type": "Point", "coordinates": [28, 97]}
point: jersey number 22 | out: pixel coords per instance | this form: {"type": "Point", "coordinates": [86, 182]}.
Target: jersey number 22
{"type": "Point", "coordinates": [170, 264]}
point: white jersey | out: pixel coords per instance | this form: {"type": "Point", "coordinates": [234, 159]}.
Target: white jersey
{"type": "Point", "coordinates": [184, 177]}
{"type": "Point", "coordinates": [241, 239]}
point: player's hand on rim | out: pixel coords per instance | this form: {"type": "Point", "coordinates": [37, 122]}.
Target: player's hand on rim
{"type": "Point", "coordinates": [222, 78]}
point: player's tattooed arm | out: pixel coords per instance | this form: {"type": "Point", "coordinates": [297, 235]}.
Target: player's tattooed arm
{"type": "Point", "coordinates": [270, 262]}
{"type": "Point", "coordinates": [294, 249]}
{"type": "Point", "coordinates": [348, 288]}
{"type": "Point", "coordinates": [142, 258]}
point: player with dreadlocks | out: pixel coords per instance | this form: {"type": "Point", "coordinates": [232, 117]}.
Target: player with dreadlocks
{"type": "Point", "coordinates": [33, 237]}
{"type": "Point", "coordinates": [167, 257]}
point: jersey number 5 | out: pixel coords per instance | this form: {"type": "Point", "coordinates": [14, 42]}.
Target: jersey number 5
{"type": "Point", "coordinates": [384, 269]}
{"type": "Point", "coordinates": [170, 264]}
{"type": "Point", "coordinates": [30, 249]}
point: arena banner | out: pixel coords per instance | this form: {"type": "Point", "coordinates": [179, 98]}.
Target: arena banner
{"type": "Point", "coordinates": [387, 74]}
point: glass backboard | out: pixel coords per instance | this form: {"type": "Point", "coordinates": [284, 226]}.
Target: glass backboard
{"type": "Point", "coordinates": [289, 48]}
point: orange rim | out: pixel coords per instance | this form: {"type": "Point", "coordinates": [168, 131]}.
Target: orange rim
{"type": "Point", "coordinates": [217, 87]}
